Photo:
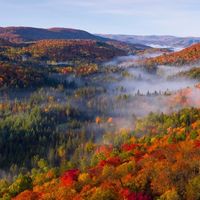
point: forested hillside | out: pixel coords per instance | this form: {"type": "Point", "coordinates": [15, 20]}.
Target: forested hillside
{"type": "Point", "coordinates": [159, 160]}
{"type": "Point", "coordinates": [85, 119]}
{"type": "Point", "coordinates": [190, 55]}
{"type": "Point", "coordinates": [27, 34]}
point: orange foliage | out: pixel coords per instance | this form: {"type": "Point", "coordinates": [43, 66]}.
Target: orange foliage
{"type": "Point", "coordinates": [98, 120]}
{"type": "Point", "coordinates": [65, 50]}
{"type": "Point", "coordinates": [186, 56]}
{"type": "Point", "coordinates": [104, 149]}
{"type": "Point", "coordinates": [163, 168]}
{"type": "Point", "coordinates": [110, 120]}
{"type": "Point", "coordinates": [28, 195]}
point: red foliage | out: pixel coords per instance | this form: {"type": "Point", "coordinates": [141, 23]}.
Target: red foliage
{"type": "Point", "coordinates": [128, 195]}
{"type": "Point", "coordinates": [95, 171]}
{"type": "Point", "coordinates": [138, 196]}
{"type": "Point", "coordinates": [129, 147]}
{"type": "Point", "coordinates": [114, 161]}
{"type": "Point", "coordinates": [125, 193]}
{"type": "Point", "coordinates": [102, 163]}
{"type": "Point", "coordinates": [138, 155]}
{"type": "Point", "coordinates": [159, 154]}
{"type": "Point", "coordinates": [68, 178]}
{"type": "Point", "coordinates": [197, 144]}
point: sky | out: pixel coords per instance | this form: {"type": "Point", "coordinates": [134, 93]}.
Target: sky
{"type": "Point", "coordinates": [132, 17]}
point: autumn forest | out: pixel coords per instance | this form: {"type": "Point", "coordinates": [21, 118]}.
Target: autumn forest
{"type": "Point", "coordinates": [85, 117]}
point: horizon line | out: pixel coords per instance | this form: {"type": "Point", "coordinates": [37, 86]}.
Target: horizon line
{"type": "Point", "coordinates": [119, 34]}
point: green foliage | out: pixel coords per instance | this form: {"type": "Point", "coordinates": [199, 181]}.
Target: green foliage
{"type": "Point", "coordinates": [21, 183]}
{"type": "Point", "coordinates": [193, 73]}
{"type": "Point", "coordinates": [104, 194]}
{"type": "Point", "coordinates": [193, 134]}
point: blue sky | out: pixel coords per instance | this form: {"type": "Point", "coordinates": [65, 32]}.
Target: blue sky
{"type": "Point", "coordinates": [138, 17]}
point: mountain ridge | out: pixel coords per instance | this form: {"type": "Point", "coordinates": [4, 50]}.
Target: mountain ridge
{"type": "Point", "coordinates": [18, 35]}
{"type": "Point", "coordinates": [162, 40]}
{"type": "Point", "coordinates": [26, 34]}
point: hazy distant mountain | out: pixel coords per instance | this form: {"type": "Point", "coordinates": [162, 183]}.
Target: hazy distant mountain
{"type": "Point", "coordinates": [155, 41]}
{"type": "Point", "coordinates": [26, 34]}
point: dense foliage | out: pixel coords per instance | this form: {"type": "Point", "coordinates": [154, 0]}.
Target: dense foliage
{"type": "Point", "coordinates": [163, 164]}
{"type": "Point", "coordinates": [72, 127]}
{"type": "Point", "coordinates": [65, 50]}
{"type": "Point", "coordinates": [193, 73]}
{"type": "Point", "coordinates": [12, 75]}
{"type": "Point", "coordinates": [190, 55]}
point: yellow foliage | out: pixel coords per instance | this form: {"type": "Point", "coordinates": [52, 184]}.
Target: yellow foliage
{"type": "Point", "coordinates": [170, 195]}
{"type": "Point", "coordinates": [84, 177]}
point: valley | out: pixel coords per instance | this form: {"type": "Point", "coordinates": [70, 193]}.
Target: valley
{"type": "Point", "coordinates": [85, 117]}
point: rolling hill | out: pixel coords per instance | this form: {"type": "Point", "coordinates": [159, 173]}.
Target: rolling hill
{"type": "Point", "coordinates": [155, 41]}
{"type": "Point", "coordinates": [190, 55]}
{"type": "Point", "coordinates": [161, 165]}
{"type": "Point", "coordinates": [27, 34]}
{"type": "Point", "coordinates": [62, 50]}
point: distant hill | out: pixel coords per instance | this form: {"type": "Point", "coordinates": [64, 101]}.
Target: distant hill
{"type": "Point", "coordinates": [27, 34]}
{"type": "Point", "coordinates": [190, 55]}
{"type": "Point", "coordinates": [19, 35]}
{"type": "Point", "coordinates": [129, 48]}
{"type": "Point", "coordinates": [155, 41]}
{"type": "Point", "coordinates": [68, 50]}
{"type": "Point", "coordinates": [5, 43]}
